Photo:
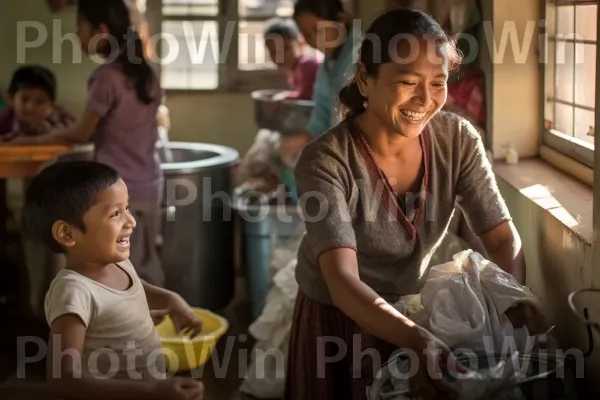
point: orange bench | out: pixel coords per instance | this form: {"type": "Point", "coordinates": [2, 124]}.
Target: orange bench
{"type": "Point", "coordinates": [26, 161]}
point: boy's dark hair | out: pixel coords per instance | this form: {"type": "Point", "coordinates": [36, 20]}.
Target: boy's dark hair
{"type": "Point", "coordinates": [63, 191]}
{"type": "Point", "coordinates": [33, 77]}
{"type": "Point", "coordinates": [279, 27]}
{"type": "Point", "coordinates": [115, 15]}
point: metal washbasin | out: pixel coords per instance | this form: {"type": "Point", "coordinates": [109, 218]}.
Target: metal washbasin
{"type": "Point", "coordinates": [285, 117]}
{"type": "Point", "coordinates": [198, 223]}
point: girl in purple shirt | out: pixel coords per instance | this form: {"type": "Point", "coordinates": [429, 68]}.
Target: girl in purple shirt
{"type": "Point", "coordinates": [120, 118]}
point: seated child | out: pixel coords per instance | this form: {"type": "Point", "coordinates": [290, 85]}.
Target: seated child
{"type": "Point", "coordinates": [286, 50]}
{"type": "Point", "coordinates": [97, 307]}
{"type": "Point", "coordinates": [31, 105]}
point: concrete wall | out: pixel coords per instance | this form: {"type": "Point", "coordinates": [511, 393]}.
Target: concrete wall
{"type": "Point", "coordinates": [558, 263]}
{"type": "Point", "coordinates": [515, 94]}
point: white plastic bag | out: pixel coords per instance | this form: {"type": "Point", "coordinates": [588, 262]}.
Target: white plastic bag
{"type": "Point", "coordinates": [464, 304]}
{"type": "Point", "coordinates": [465, 301]}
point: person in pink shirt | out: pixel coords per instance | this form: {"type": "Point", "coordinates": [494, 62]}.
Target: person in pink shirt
{"type": "Point", "coordinates": [286, 50]}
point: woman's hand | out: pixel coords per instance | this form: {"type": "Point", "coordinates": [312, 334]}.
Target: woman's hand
{"type": "Point", "coordinates": [181, 314]}
{"type": "Point", "coordinates": [19, 140]}
{"type": "Point", "coordinates": [24, 140]}
{"type": "Point", "coordinates": [433, 357]}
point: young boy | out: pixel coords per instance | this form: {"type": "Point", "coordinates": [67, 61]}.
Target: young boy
{"type": "Point", "coordinates": [32, 109]}
{"type": "Point", "coordinates": [286, 49]}
{"type": "Point", "coordinates": [97, 307]}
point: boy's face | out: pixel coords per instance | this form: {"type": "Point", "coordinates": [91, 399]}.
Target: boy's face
{"type": "Point", "coordinates": [108, 226]}
{"type": "Point", "coordinates": [284, 51]}
{"type": "Point", "coordinates": [31, 105]}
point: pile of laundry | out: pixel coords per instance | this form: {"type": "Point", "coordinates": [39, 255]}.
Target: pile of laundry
{"type": "Point", "coordinates": [261, 171]}
{"type": "Point", "coordinates": [464, 304]}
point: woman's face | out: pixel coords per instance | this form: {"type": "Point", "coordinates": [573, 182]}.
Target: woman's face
{"type": "Point", "coordinates": [409, 91]}
{"type": "Point", "coordinates": [321, 34]}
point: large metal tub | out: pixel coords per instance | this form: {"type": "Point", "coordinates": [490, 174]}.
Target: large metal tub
{"type": "Point", "coordinates": [285, 117]}
{"type": "Point", "coordinates": [198, 225]}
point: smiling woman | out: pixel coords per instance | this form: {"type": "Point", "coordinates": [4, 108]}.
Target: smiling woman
{"type": "Point", "coordinates": [378, 192]}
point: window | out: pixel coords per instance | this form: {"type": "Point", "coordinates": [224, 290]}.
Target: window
{"type": "Point", "coordinates": [218, 44]}
{"type": "Point", "coordinates": [570, 77]}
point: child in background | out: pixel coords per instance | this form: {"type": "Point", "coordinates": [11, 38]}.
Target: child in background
{"type": "Point", "coordinates": [32, 109]}
{"type": "Point", "coordinates": [97, 307]}
{"type": "Point", "coordinates": [286, 50]}
{"type": "Point", "coordinates": [120, 118]}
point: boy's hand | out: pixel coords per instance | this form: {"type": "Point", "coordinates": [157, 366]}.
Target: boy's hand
{"type": "Point", "coordinates": [179, 389]}
{"type": "Point", "coordinates": [182, 316]}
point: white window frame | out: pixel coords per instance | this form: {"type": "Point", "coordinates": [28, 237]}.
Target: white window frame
{"type": "Point", "coordinates": [230, 77]}
{"type": "Point", "coordinates": [572, 147]}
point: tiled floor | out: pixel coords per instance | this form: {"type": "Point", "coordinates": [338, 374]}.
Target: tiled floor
{"type": "Point", "coordinates": [221, 378]}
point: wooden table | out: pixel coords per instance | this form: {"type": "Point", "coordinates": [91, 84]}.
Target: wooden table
{"type": "Point", "coordinates": [26, 161]}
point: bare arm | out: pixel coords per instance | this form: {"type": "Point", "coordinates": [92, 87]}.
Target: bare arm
{"type": "Point", "coordinates": [63, 372]}
{"type": "Point", "coordinates": [80, 132]}
{"type": "Point", "coordinates": [360, 303]}
{"type": "Point", "coordinates": [163, 302]}
{"type": "Point", "coordinates": [504, 248]}
{"type": "Point", "coordinates": [291, 146]}
{"type": "Point", "coordinates": [157, 297]}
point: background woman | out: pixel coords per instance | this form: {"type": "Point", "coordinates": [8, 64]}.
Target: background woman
{"type": "Point", "coordinates": [328, 28]}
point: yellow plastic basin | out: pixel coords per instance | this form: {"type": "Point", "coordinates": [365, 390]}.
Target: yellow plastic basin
{"type": "Point", "coordinates": [184, 354]}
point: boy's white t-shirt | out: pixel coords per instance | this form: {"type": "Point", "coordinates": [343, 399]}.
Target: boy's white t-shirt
{"type": "Point", "coordinates": [120, 340]}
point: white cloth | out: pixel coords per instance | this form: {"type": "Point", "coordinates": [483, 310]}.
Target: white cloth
{"type": "Point", "coordinates": [266, 374]}
{"type": "Point", "coordinates": [464, 304]}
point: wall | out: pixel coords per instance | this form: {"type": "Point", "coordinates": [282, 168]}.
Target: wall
{"type": "Point", "coordinates": [515, 91]}
{"type": "Point", "coordinates": [71, 76]}
{"type": "Point", "coordinates": [558, 263]}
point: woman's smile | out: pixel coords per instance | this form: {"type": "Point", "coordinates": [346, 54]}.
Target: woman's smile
{"type": "Point", "coordinates": [413, 116]}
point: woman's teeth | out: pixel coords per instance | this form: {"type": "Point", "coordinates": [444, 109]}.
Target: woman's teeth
{"type": "Point", "coordinates": [124, 242]}
{"type": "Point", "coordinates": [414, 116]}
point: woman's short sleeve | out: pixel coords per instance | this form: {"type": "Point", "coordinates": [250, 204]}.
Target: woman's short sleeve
{"type": "Point", "coordinates": [100, 91]}
{"type": "Point", "coordinates": [477, 190]}
{"type": "Point", "coordinates": [323, 185]}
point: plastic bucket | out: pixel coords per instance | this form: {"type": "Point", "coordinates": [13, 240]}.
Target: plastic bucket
{"type": "Point", "coordinates": [262, 233]}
